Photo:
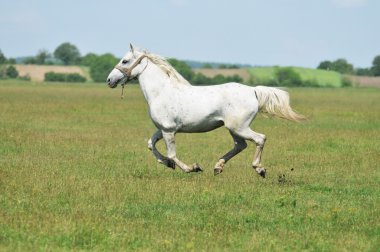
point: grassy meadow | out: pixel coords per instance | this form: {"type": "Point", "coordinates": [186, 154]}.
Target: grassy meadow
{"type": "Point", "coordinates": [322, 77]}
{"type": "Point", "coordinates": [76, 174]}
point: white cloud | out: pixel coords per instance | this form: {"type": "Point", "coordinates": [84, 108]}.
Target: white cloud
{"type": "Point", "coordinates": [349, 3]}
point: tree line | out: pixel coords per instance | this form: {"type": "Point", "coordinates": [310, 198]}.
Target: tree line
{"type": "Point", "coordinates": [344, 67]}
{"type": "Point", "coordinates": [101, 65]}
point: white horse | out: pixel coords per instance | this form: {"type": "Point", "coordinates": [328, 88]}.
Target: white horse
{"type": "Point", "coordinates": [176, 106]}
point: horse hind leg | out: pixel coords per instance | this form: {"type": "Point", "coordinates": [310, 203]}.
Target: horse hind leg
{"type": "Point", "coordinates": [259, 140]}
{"type": "Point", "coordinates": [157, 136]}
{"type": "Point", "coordinates": [239, 145]}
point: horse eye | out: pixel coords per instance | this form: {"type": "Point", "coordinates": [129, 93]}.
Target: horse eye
{"type": "Point", "coordinates": [124, 61]}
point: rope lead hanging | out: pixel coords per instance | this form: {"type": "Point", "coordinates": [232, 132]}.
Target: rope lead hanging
{"type": "Point", "coordinates": [122, 91]}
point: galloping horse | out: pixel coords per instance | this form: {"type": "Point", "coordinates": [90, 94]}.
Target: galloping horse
{"type": "Point", "coordinates": [177, 106]}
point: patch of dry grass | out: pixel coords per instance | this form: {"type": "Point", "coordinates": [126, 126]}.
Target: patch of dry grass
{"type": "Point", "coordinates": [37, 72]}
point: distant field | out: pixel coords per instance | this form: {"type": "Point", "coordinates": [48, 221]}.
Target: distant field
{"type": "Point", "coordinates": [76, 174]}
{"type": "Point", "coordinates": [37, 72]}
{"type": "Point", "coordinates": [324, 78]}
{"type": "Point", "coordinates": [366, 81]}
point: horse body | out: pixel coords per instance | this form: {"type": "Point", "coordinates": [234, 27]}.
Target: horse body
{"type": "Point", "coordinates": [185, 110]}
{"type": "Point", "coordinates": [176, 106]}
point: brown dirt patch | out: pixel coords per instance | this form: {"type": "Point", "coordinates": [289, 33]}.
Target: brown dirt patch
{"type": "Point", "coordinates": [365, 81]}
{"type": "Point", "coordinates": [37, 73]}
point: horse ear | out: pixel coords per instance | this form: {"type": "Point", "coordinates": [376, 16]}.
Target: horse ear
{"type": "Point", "coordinates": [131, 48]}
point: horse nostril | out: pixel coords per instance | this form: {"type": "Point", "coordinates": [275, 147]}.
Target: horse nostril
{"type": "Point", "coordinates": [108, 80]}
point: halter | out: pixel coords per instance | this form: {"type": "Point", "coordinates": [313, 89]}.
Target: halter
{"type": "Point", "coordinates": [128, 71]}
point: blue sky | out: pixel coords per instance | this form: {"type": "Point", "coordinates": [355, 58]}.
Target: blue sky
{"type": "Point", "coordinates": [265, 32]}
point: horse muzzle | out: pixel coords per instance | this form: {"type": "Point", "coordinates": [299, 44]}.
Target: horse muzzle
{"type": "Point", "coordinates": [115, 78]}
{"type": "Point", "coordinates": [112, 84]}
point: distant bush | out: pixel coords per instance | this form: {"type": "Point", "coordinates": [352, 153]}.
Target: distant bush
{"type": "Point", "coordinates": [2, 72]}
{"type": "Point", "coordinates": [207, 66]}
{"type": "Point", "coordinates": [346, 82]}
{"type": "Point", "coordinates": [63, 77]}
{"type": "Point", "coordinates": [199, 78]}
{"type": "Point", "coordinates": [363, 72]}
{"type": "Point", "coordinates": [75, 77]}
{"type": "Point", "coordinates": [287, 77]}
{"type": "Point", "coordinates": [52, 76]}
{"type": "Point", "coordinates": [101, 66]}
{"type": "Point", "coordinates": [182, 68]}
{"type": "Point", "coordinates": [311, 83]}
{"type": "Point", "coordinates": [228, 66]}
{"type": "Point", "coordinates": [11, 72]}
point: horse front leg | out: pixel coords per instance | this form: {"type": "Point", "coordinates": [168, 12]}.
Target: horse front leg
{"type": "Point", "coordinates": [169, 138]}
{"type": "Point", "coordinates": [157, 136]}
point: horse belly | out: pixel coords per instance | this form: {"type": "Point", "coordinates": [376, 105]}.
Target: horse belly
{"type": "Point", "coordinates": [198, 127]}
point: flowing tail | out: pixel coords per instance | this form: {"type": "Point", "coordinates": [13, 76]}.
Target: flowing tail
{"type": "Point", "coordinates": [275, 102]}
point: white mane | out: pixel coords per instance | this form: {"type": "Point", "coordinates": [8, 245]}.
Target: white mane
{"type": "Point", "coordinates": [162, 63]}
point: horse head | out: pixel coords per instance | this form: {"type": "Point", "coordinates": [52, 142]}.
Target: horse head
{"type": "Point", "coordinates": [128, 68]}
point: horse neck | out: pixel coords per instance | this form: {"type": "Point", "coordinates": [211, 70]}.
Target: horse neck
{"type": "Point", "coordinates": [153, 80]}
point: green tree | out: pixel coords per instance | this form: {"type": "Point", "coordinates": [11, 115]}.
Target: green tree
{"type": "Point", "coordinates": [218, 79]}
{"type": "Point", "coordinates": [363, 72]}
{"type": "Point", "coordinates": [29, 60]}
{"type": "Point", "coordinates": [68, 53]}
{"type": "Point", "coordinates": [207, 66]}
{"type": "Point", "coordinates": [287, 77]}
{"type": "Point", "coordinates": [88, 59]}
{"type": "Point", "coordinates": [234, 78]}
{"type": "Point", "coordinates": [42, 56]}
{"type": "Point", "coordinates": [342, 66]}
{"type": "Point", "coordinates": [2, 58]}
{"type": "Point", "coordinates": [11, 72]}
{"type": "Point", "coordinates": [376, 66]}
{"type": "Point", "coordinates": [101, 66]}
{"type": "Point", "coordinates": [11, 61]}
{"type": "Point", "coordinates": [182, 68]}
{"type": "Point", "coordinates": [233, 66]}
{"type": "Point", "coordinates": [325, 65]}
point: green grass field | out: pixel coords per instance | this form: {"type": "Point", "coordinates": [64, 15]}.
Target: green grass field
{"type": "Point", "coordinates": [322, 77]}
{"type": "Point", "coordinates": [76, 174]}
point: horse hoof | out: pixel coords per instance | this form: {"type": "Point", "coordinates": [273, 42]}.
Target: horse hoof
{"type": "Point", "coordinates": [261, 171]}
{"type": "Point", "coordinates": [217, 171]}
{"type": "Point", "coordinates": [197, 168]}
